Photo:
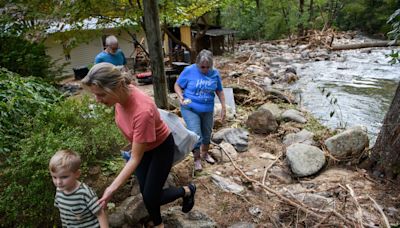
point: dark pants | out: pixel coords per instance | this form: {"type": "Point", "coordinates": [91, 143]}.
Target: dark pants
{"type": "Point", "coordinates": [152, 173]}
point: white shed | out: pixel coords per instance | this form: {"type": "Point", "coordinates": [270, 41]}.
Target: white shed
{"type": "Point", "coordinates": [84, 53]}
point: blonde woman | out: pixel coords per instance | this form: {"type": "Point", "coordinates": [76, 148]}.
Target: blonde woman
{"type": "Point", "coordinates": [137, 116]}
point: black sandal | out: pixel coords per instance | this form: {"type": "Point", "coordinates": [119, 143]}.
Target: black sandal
{"type": "Point", "coordinates": [188, 201]}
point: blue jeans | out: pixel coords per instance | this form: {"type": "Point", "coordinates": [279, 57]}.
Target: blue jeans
{"type": "Point", "coordinates": [200, 123]}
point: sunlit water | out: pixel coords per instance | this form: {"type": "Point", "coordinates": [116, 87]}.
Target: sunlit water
{"type": "Point", "coordinates": [363, 84]}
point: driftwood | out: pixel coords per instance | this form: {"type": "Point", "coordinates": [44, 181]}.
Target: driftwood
{"type": "Point", "coordinates": [364, 45]}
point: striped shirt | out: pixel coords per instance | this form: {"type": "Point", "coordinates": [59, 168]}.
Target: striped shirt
{"type": "Point", "coordinates": [79, 208]}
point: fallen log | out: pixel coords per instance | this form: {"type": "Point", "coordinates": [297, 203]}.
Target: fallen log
{"type": "Point", "coordinates": [364, 45]}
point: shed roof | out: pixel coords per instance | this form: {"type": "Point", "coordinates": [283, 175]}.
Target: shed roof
{"type": "Point", "coordinates": [89, 24]}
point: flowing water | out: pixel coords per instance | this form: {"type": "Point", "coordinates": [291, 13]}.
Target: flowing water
{"type": "Point", "coordinates": [356, 88]}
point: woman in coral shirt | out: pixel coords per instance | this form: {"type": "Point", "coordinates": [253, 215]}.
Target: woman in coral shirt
{"type": "Point", "coordinates": [152, 150]}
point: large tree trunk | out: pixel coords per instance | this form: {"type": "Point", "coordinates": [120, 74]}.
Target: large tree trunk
{"type": "Point", "coordinates": [385, 158]}
{"type": "Point", "coordinates": [364, 45]}
{"type": "Point", "coordinates": [153, 35]}
{"type": "Point", "coordinates": [300, 25]}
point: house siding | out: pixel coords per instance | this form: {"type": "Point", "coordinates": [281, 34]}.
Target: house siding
{"type": "Point", "coordinates": [85, 53]}
{"type": "Point", "coordinates": [186, 36]}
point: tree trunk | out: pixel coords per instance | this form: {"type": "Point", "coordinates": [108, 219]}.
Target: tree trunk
{"type": "Point", "coordinates": [385, 158]}
{"type": "Point", "coordinates": [300, 25]}
{"type": "Point", "coordinates": [310, 13]}
{"type": "Point", "coordinates": [364, 45]}
{"type": "Point", "coordinates": [153, 35]}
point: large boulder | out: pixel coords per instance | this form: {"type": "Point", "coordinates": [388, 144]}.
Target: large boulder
{"type": "Point", "coordinates": [238, 137]}
{"type": "Point", "coordinates": [294, 115]}
{"type": "Point", "coordinates": [348, 143]}
{"type": "Point", "coordinates": [273, 108]}
{"type": "Point", "coordinates": [304, 160]}
{"type": "Point", "coordinates": [131, 211]}
{"type": "Point", "coordinates": [304, 137]}
{"type": "Point", "coordinates": [262, 122]}
{"type": "Point", "coordinates": [174, 217]}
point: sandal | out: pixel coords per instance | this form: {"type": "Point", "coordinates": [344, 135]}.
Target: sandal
{"type": "Point", "coordinates": [208, 158]}
{"type": "Point", "coordinates": [188, 201]}
{"type": "Point", "coordinates": [197, 165]}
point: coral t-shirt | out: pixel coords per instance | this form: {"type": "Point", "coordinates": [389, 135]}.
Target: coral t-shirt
{"type": "Point", "coordinates": [140, 121]}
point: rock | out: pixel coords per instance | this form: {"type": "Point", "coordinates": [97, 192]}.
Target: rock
{"type": "Point", "coordinates": [267, 81]}
{"type": "Point", "coordinates": [135, 190]}
{"type": "Point", "coordinates": [235, 74]}
{"type": "Point", "coordinates": [315, 200]}
{"type": "Point", "coordinates": [221, 156]}
{"type": "Point", "coordinates": [273, 108]}
{"type": "Point", "coordinates": [131, 211]}
{"type": "Point", "coordinates": [304, 137]}
{"type": "Point", "coordinates": [174, 217]}
{"type": "Point", "coordinates": [348, 143]}
{"type": "Point", "coordinates": [291, 70]}
{"type": "Point", "coordinates": [238, 137]}
{"type": "Point", "coordinates": [243, 225]}
{"type": "Point", "coordinates": [116, 219]}
{"type": "Point", "coordinates": [255, 211]}
{"type": "Point", "coordinates": [290, 78]}
{"type": "Point", "coordinates": [255, 69]}
{"type": "Point", "coordinates": [294, 115]}
{"type": "Point", "coordinates": [262, 122]}
{"type": "Point", "coordinates": [226, 184]}
{"type": "Point", "coordinates": [278, 94]}
{"type": "Point", "coordinates": [280, 174]}
{"type": "Point", "coordinates": [305, 54]}
{"type": "Point", "coordinates": [305, 160]}
{"type": "Point", "coordinates": [267, 156]}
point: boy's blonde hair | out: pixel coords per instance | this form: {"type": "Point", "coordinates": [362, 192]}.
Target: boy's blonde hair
{"type": "Point", "coordinates": [65, 159]}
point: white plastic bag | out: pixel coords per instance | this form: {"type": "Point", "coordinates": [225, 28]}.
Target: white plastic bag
{"type": "Point", "coordinates": [184, 138]}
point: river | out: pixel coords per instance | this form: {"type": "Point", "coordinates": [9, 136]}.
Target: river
{"type": "Point", "coordinates": [357, 87]}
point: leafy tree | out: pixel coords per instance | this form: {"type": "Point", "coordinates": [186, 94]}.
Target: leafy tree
{"type": "Point", "coordinates": [22, 26]}
{"type": "Point", "coordinates": [366, 15]}
{"type": "Point", "coordinates": [26, 58]}
{"type": "Point", "coordinates": [20, 100]}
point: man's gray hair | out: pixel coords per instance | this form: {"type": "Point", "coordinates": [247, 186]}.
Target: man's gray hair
{"type": "Point", "coordinates": [110, 40]}
{"type": "Point", "coordinates": [205, 56]}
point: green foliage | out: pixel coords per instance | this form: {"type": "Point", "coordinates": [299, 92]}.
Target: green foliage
{"type": "Point", "coordinates": [366, 15]}
{"type": "Point", "coordinates": [176, 13]}
{"type": "Point", "coordinates": [277, 19]}
{"type": "Point", "coordinates": [20, 100]}
{"type": "Point", "coordinates": [334, 107]}
{"type": "Point", "coordinates": [25, 58]}
{"type": "Point", "coordinates": [244, 17]}
{"type": "Point", "coordinates": [86, 128]}
{"type": "Point", "coordinates": [394, 20]}
{"type": "Point", "coordinates": [269, 19]}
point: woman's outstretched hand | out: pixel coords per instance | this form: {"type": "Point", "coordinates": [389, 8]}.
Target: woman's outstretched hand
{"type": "Point", "coordinates": [107, 195]}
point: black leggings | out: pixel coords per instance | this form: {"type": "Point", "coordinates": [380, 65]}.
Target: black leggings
{"type": "Point", "coordinates": [152, 173]}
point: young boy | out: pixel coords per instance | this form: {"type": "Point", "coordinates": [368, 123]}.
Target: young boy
{"type": "Point", "coordinates": [76, 201]}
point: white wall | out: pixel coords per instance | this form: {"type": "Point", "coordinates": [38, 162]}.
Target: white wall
{"type": "Point", "coordinates": [85, 53]}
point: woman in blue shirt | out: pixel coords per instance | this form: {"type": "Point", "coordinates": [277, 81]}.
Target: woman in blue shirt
{"type": "Point", "coordinates": [196, 88]}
